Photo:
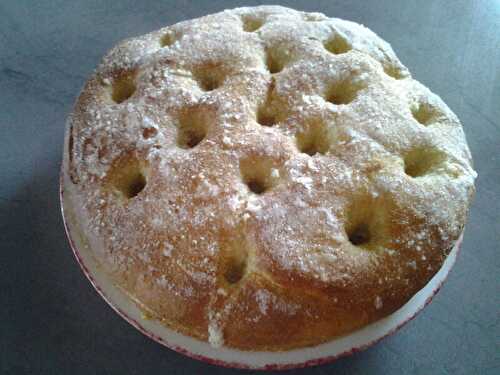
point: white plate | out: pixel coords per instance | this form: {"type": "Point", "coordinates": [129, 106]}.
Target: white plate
{"type": "Point", "coordinates": [323, 353]}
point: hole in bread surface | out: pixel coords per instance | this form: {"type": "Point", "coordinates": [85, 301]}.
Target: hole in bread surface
{"type": "Point", "coordinates": [365, 222]}
{"type": "Point", "coordinates": [192, 127]}
{"type": "Point", "coordinates": [128, 177]}
{"type": "Point", "coordinates": [275, 61]}
{"type": "Point", "coordinates": [422, 161]}
{"type": "Point", "coordinates": [168, 39]}
{"type": "Point", "coordinates": [208, 82]}
{"type": "Point", "coordinates": [256, 185]}
{"type": "Point", "coordinates": [313, 17]}
{"type": "Point", "coordinates": [236, 267]}
{"type": "Point", "coordinates": [424, 113]}
{"type": "Point", "coordinates": [135, 185]}
{"type": "Point", "coordinates": [393, 71]}
{"type": "Point", "coordinates": [149, 133]}
{"type": "Point", "coordinates": [234, 255]}
{"type": "Point", "coordinates": [337, 45]}
{"type": "Point", "coordinates": [258, 174]}
{"type": "Point", "coordinates": [342, 92]}
{"type": "Point", "coordinates": [359, 235]}
{"type": "Point", "coordinates": [314, 138]}
{"type": "Point", "coordinates": [267, 114]}
{"type": "Point", "coordinates": [123, 88]}
{"type": "Point", "coordinates": [209, 76]}
{"type": "Point", "coordinates": [251, 23]}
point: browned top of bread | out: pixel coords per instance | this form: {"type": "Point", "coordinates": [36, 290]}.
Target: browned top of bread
{"type": "Point", "coordinates": [265, 178]}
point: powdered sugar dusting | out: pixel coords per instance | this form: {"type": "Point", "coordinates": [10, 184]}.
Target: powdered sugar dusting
{"type": "Point", "coordinates": [167, 250]}
{"type": "Point", "coordinates": [215, 335]}
{"type": "Point", "coordinates": [263, 300]}
{"type": "Point", "coordinates": [378, 303]}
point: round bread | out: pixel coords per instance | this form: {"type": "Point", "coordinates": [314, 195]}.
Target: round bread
{"type": "Point", "coordinates": [265, 179]}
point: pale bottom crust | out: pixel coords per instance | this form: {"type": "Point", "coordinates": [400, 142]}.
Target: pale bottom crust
{"type": "Point", "coordinates": [201, 350]}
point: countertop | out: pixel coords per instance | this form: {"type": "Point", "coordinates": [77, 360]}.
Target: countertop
{"type": "Point", "coordinates": [53, 322]}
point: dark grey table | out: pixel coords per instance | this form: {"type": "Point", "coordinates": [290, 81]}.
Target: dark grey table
{"type": "Point", "coordinates": [53, 322]}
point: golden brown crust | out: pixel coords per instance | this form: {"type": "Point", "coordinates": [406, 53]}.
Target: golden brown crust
{"type": "Point", "coordinates": [264, 178]}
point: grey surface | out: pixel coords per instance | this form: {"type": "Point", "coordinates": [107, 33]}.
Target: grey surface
{"type": "Point", "coordinates": [52, 321]}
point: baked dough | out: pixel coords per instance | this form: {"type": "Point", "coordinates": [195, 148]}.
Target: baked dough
{"type": "Point", "coordinates": [265, 179]}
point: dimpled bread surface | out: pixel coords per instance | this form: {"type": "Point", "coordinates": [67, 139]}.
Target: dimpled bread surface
{"type": "Point", "coordinates": [265, 179]}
